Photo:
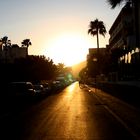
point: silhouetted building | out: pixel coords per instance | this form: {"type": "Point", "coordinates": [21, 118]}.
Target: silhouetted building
{"type": "Point", "coordinates": [122, 37]}
{"type": "Point", "coordinates": [137, 21]}
{"type": "Point", "coordinates": [9, 53]}
{"type": "Point", "coordinates": [93, 51]}
{"type": "Point", "coordinates": [122, 43]}
{"type": "Point", "coordinates": [96, 61]}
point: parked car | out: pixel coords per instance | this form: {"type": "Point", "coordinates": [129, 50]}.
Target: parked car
{"type": "Point", "coordinates": [47, 88]}
{"type": "Point", "coordinates": [56, 85]}
{"type": "Point", "coordinates": [39, 89]}
{"type": "Point", "coordinates": [21, 89]}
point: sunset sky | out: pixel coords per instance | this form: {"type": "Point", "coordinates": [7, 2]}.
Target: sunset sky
{"type": "Point", "coordinates": [56, 28]}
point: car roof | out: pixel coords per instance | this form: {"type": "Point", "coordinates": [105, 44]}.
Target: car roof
{"type": "Point", "coordinates": [20, 82]}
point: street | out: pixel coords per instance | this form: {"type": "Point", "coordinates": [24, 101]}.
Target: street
{"type": "Point", "coordinates": [72, 114]}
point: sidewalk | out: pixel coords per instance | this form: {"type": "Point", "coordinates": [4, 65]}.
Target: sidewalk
{"type": "Point", "coordinates": [126, 114]}
{"type": "Point", "coordinates": [128, 91]}
{"type": "Point", "coordinates": [130, 83]}
{"type": "Point", "coordinates": [126, 83]}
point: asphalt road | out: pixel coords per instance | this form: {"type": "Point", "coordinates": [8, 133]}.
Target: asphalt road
{"type": "Point", "coordinates": [73, 114]}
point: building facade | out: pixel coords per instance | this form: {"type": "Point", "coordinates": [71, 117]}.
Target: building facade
{"type": "Point", "coordinates": [123, 45]}
{"type": "Point", "coordinates": [9, 53]}
{"type": "Point", "coordinates": [96, 62]}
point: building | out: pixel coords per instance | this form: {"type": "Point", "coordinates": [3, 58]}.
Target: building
{"type": "Point", "coordinates": [96, 61]}
{"type": "Point", "coordinates": [137, 21]}
{"type": "Point", "coordinates": [123, 45]}
{"type": "Point", "coordinates": [93, 51]}
{"type": "Point", "coordinates": [9, 53]}
{"type": "Point", "coordinates": [122, 31]}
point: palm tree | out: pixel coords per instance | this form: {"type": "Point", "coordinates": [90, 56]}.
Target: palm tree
{"type": "Point", "coordinates": [115, 3]}
{"type": "Point", "coordinates": [5, 45]}
{"type": "Point", "coordinates": [26, 43]}
{"type": "Point", "coordinates": [97, 27]}
{"type": "Point", "coordinates": [4, 41]}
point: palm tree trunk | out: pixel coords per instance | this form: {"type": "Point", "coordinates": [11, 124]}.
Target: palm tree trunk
{"type": "Point", "coordinates": [98, 53]}
{"type": "Point", "coordinates": [26, 51]}
{"type": "Point", "coordinates": [97, 45]}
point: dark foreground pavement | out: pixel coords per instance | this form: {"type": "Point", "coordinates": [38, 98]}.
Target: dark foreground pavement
{"type": "Point", "coordinates": [73, 114]}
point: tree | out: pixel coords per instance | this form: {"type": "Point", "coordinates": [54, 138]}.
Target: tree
{"type": "Point", "coordinates": [97, 27]}
{"type": "Point", "coordinates": [61, 67]}
{"type": "Point", "coordinates": [33, 68]}
{"type": "Point", "coordinates": [115, 3]}
{"type": "Point", "coordinates": [26, 43]}
{"type": "Point", "coordinates": [5, 42]}
{"type": "Point", "coordinates": [5, 45]}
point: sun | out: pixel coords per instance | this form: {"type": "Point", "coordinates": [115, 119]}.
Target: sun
{"type": "Point", "coordinates": [69, 49]}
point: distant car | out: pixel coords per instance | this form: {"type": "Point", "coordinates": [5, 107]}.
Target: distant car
{"type": "Point", "coordinates": [21, 89]}
{"type": "Point", "coordinates": [56, 85]}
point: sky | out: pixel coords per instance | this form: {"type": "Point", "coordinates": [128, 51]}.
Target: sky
{"type": "Point", "coordinates": [56, 28]}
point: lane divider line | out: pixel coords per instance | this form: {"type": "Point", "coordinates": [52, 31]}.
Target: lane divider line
{"type": "Point", "coordinates": [131, 131]}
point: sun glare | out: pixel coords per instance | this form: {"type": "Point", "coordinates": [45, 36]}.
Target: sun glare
{"type": "Point", "coordinates": [68, 49]}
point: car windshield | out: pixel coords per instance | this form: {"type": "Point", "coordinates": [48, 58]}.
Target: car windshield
{"type": "Point", "coordinates": [20, 86]}
{"type": "Point", "coordinates": [38, 86]}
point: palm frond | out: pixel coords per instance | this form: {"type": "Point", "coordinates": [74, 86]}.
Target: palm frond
{"type": "Point", "coordinates": [114, 3]}
{"type": "Point", "coordinates": [97, 27]}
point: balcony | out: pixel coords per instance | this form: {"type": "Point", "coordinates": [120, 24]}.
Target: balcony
{"type": "Point", "coordinates": [116, 31]}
